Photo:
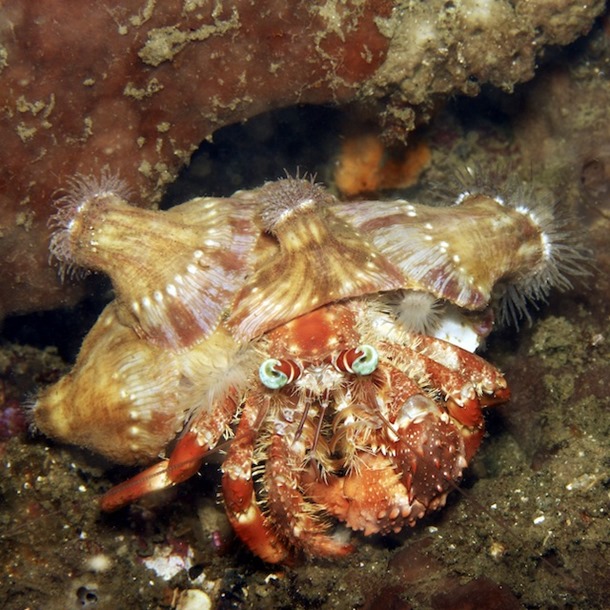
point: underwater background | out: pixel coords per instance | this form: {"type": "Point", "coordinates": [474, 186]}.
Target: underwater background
{"type": "Point", "coordinates": [530, 528]}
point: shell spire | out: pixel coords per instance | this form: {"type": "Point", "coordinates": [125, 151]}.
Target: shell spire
{"type": "Point", "coordinates": [174, 272]}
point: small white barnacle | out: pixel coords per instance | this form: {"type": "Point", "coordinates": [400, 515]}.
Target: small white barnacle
{"type": "Point", "coordinates": [134, 431]}
{"type": "Point", "coordinates": [412, 214]}
{"type": "Point", "coordinates": [460, 198]}
{"type": "Point", "coordinates": [197, 254]}
{"type": "Point", "coordinates": [523, 209]}
{"type": "Point", "coordinates": [191, 268]}
{"type": "Point", "coordinates": [427, 237]}
{"type": "Point", "coordinates": [146, 302]}
{"type": "Point", "coordinates": [547, 245]}
{"type": "Point", "coordinates": [135, 306]}
{"type": "Point", "coordinates": [171, 290]}
{"type": "Point", "coordinates": [457, 259]}
{"type": "Point", "coordinates": [158, 296]}
{"type": "Point", "coordinates": [178, 279]}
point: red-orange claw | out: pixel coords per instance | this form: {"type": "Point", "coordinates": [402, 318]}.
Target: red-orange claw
{"type": "Point", "coordinates": [468, 413]}
{"type": "Point", "coordinates": [499, 396]}
{"type": "Point", "coordinates": [186, 458]}
{"type": "Point", "coordinates": [152, 479]}
{"type": "Point", "coordinates": [203, 434]}
{"type": "Point", "coordinates": [468, 382]}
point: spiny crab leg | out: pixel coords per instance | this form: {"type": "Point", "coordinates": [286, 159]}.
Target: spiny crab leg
{"type": "Point", "coordinates": [184, 462]}
{"type": "Point", "coordinates": [292, 513]}
{"type": "Point", "coordinates": [297, 516]}
{"type": "Point", "coordinates": [324, 401]}
{"type": "Point", "coordinates": [466, 381]}
{"type": "Point", "coordinates": [241, 505]}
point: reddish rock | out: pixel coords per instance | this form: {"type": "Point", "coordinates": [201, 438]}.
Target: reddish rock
{"type": "Point", "coordinates": [413, 564]}
{"type": "Point", "coordinates": [135, 88]}
{"type": "Point", "coordinates": [478, 593]}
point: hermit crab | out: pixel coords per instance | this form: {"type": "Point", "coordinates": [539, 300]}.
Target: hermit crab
{"type": "Point", "coordinates": [333, 340]}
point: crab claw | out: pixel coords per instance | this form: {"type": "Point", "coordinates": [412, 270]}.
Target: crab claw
{"type": "Point", "coordinates": [152, 479]}
{"type": "Point", "coordinates": [185, 460]}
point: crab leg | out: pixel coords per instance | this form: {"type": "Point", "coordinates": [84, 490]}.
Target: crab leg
{"type": "Point", "coordinates": [242, 508]}
{"type": "Point", "coordinates": [468, 382]}
{"type": "Point", "coordinates": [292, 513]}
{"type": "Point", "coordinates": [184, 462]}
{"type": "Point", "coordinates": [489, 383]}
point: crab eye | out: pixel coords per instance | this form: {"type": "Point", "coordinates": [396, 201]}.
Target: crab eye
{"type": "Point", "coordinates": [275, 374]}
{"type": "Point", "coordinates": [367, 361]}
{"type": "Point", "coordinates": [362, 360]}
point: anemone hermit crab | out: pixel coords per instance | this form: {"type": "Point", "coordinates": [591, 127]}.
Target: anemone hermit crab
{"type": "Point", "coordinates": [332, 339]}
